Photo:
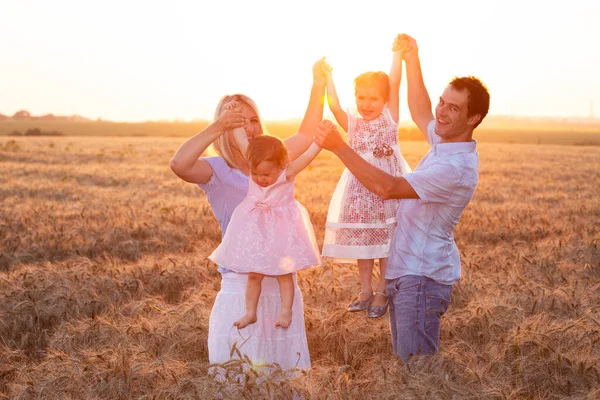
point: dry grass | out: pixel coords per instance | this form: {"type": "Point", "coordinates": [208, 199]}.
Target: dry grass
{"type": "Point", "coordinates": [105, 290]}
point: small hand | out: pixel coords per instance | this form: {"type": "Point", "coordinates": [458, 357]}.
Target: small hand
{"type": "Point", "coordinates": [327, 136]}
{"type": "Point", "coordinates": [231, 116]}
{"type": "Point", "coordinates": [231, 105]}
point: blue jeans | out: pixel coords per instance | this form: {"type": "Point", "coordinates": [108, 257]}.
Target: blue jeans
{"type": "Point", "coordinates": [417, 304]}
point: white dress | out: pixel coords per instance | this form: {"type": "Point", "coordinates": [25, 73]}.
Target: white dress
{"type": "Point", "coordinates": [359, 223]}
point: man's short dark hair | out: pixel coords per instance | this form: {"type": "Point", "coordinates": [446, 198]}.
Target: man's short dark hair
{"type": "Point", "coordinates": [479, 97]}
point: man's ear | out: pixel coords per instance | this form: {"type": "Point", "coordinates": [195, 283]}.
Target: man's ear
{"type": "Point", "coordinates": [474, 119]}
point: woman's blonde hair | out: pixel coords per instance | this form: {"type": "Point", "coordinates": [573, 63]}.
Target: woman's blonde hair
{"type": "Point", "coordinates": [223, 145]}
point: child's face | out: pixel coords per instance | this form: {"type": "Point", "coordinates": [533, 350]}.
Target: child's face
{"type": "Point", "coordinates": [265, 174]}
{"type": "Point", "coordinates": [369, 102]}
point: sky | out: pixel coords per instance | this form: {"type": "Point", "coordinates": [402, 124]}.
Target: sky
{"type": "Point", "coordinates": [158, 60]}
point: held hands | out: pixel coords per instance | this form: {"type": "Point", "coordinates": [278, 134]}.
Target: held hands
{"type": "Point", "coordinates": [231, 117]}
{"type": "Point", "coordinates": [326, 68]}
{"type": "Point", "coordinates": [232, 104]}
{"type": "Point", "coordinates": [318, 77]}
{"type": "Point", "coordinates": [327, 136]}
{"type": "Point", "coordinates": [321, 71]}
{"type": "Point", "coordinates": [406, 46]}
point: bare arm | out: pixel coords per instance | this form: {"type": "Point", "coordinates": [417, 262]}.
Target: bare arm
{"type": "Point", "coordinates": [380, 183]}
{"type": "Point", "coordinates": [395, 79]}
{"type": "Point", "coordinates": [419, 102]}
{"type": "Point", "coordinates": [187, 164]}
{"type": "Point", "coordinates": [303, 161]}
{"type": "Point", "coordinates": [333, 100]}
{"type": "Point", "coordinates": [334, 104]}
{"type": "Point", "coordinates": [241, 139]}
{"type": "Point", "coordinates": [299, 142]}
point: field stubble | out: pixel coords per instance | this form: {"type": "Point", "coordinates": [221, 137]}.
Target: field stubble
{"type": "Point", "coordinates": [105, 289]}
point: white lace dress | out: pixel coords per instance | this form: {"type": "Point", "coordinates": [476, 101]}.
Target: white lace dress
{"type": "Point", "coordinates": [359, 223]}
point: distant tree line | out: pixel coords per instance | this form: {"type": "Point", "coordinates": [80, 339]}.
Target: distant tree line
{"type": "Point", "coordinates": [36, 132]}
{"type": "Point", "coordinates": [24, 115]}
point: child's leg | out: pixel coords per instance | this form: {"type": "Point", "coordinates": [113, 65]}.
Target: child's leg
{"type": "Point", "coordinates": [286, 290]}
{"type": "Point", "coordinates": [380, 300]}
{"type": "Point", "coordinates": [253, 288]}
{"type": "Point", "coordinates": [365, 275]}
{"type": "Point", "coordinates": [365, 272]}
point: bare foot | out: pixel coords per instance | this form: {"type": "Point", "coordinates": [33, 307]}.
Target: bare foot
{"type": "Point", "coordinates": [245, 321]}
{"type": "Point", "coordinates": [285, 319]}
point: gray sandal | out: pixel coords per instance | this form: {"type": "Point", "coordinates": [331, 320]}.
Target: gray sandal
{"type": "Point", "coordinates": [378, 311]}
{"type": "Point", "coordinates": [361, 305]}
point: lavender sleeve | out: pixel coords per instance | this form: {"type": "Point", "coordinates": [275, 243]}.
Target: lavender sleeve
{"type": "Point", "coordinates": [225, 190]}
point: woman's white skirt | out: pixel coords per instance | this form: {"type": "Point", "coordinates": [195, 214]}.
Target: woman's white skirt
{"type": "Point", "coordinates": [262, 342]}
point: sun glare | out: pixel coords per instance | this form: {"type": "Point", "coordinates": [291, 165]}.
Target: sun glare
{"type": "Point", "coordinates": [162, 61]}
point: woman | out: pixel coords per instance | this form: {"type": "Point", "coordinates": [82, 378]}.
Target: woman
{"type": "Point", "coordinates": [224, 179]}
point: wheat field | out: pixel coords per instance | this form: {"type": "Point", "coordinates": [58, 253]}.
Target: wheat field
{"type": "Point", "coordinates": [105, 289]}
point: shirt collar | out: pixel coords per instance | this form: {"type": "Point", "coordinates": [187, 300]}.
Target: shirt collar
{"type": "Point", "coordinates": [454, 148]}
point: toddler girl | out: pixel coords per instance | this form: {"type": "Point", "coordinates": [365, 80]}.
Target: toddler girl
{"type": "Point", "coordinates": [270, 233]}
{"type": "Point", "coordinates": [360, 224]}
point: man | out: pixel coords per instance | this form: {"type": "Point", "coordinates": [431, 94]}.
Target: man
{"type": "Point", "coordinates": [424, 262]}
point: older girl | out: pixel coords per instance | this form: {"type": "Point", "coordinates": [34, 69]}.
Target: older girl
{"type": "Point", "coordinates": [359, 223]}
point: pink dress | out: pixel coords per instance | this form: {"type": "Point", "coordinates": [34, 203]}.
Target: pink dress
{"type": "Point", "coordinates": [359, 223]}
{"type": "Point", "coordinates": [262, 341]}
{"type": "Point", "coordinates": [269, 233]}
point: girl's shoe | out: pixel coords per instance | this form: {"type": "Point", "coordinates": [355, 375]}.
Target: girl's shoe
{"type": "Point", "coordinates": [378, 311]}
{"type": "Point", "coordinates": [361, 305]}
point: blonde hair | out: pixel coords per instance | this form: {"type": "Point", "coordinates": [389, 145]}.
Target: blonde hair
{"type": "Point", "coordinates": [267, 148]}
{"type": "Point", "coordinates": [379, 80]}
{"type": "Point", "coordinates": [223, 145]}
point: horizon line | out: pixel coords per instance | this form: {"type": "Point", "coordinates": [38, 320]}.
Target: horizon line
{"type": "Point", "coordinates": [81, 118]}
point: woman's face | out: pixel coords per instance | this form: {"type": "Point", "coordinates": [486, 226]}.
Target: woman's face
{"type": "Point", "coordinates": [251, 125]}
{"type": "Point", "coordinates": [251, 122]}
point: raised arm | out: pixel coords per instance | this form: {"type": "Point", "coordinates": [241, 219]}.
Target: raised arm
{"type": "Point", "coordinates": [298, 143]}
{"type": "Point", "coordinates": [419, 102]}
{"type": "Point", "coordinates": [302, 162]}
{"type": "Point", "coordinates": [395, 79]}
{"type": "Point", "coordinates": [333, 100]}
{"type": "Point", "coordinates": [187, 164]}
{"type": "Point", "coordinates": [241, 139]}
{"type": "Point", "coordinates": [378, 182]}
